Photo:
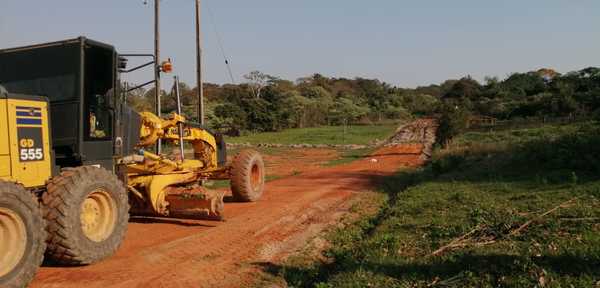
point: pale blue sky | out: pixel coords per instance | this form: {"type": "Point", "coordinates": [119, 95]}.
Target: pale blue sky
{"type": "Point", "coordinates": [406, 43]}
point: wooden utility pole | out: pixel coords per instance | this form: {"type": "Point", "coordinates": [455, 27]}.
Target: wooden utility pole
{"type": "Point", "coordinates": [199, 81]}
{"type": "Point", "coordinates": [157, 63]}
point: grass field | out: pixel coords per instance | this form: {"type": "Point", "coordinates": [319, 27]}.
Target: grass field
{"type": "Point", "coordinates": [361, 135]}
{"type": "Point", "coordinates": [348, 156]}
{"type": "Point", "coordinates": [518, 135]}
{"type": "Point", "coordinates": [494, 201]}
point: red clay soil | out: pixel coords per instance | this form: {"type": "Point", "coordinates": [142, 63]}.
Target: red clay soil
{"type": "Point", "coordinates": [188, 253]}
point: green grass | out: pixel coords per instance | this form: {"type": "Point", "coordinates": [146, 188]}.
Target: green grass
{"type": "Point", "coordinates": [517, 135]}
{"type": "Point", "coordinates": [348, 156]}
{"type": "Point", "coordinates": [488, 187]}
{"type": "Point", "coordinates": [361, 135]}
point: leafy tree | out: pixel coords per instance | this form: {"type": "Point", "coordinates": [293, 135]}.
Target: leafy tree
{"type": "Point", "coordinates": [453, 121]}
{"type": "Point", "coordinates": [345, 110]}
{"type": "Point", "coordinates": [258, 81]}
{"type": "Point", "coordinates": [436, 91]}
{"type": "Point", "coordinates": [267, 103]}
{"type": "Point", "coordinates": [491, 107]}
{"type": "Point", "coordinates": [419, 104]}
{"type": "Point", "coordinates": [396, 112]}
{"type": "Point", "coordinates": [521, 85]}
{"type": "Point", "coordinates": [465, 88]}
{"type": "Point", "coordinates": [229, 116]}
{"type": "Point", "coordinates": [446, 86]}
{"type": "Point", "coordinates": [259, 117]}
{"type": "Point", "coordinates": [491, 81]}
{"type": "Point", "coordinates": [138, 100]}
{"type": "Point", "coordinates": [296, 110]}
{"type": "Point", "coordinates": [547, 74]}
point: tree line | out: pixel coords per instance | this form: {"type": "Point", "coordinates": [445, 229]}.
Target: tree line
{"type": "Point", "coordinates": [269, 103]}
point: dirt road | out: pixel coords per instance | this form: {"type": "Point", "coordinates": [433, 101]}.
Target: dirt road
{"type": "Point", "coordinates": [175, 253]}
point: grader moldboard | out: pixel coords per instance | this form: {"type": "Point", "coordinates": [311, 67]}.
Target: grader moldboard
{"type": "Point", "coordinates": [76, 161]}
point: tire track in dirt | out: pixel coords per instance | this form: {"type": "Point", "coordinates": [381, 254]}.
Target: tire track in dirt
{"type": "Point", "coordinates": [180, 253]}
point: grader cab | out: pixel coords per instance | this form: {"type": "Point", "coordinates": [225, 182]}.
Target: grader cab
{"type": "Point", "coordinates": [75, 161]}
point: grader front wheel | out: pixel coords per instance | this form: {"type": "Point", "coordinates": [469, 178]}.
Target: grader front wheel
{"type": "Point", "coordinates": [247, 176]}
{"type": "Point", "coordinates": [22, 235]}
{"type": "Point", "coordinates": [87, 212]}
{"type": "Point", "coordinates": [98, 215]}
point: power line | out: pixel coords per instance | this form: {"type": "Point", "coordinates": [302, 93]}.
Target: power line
{"type": "Point", "coordinates": [220, 42]}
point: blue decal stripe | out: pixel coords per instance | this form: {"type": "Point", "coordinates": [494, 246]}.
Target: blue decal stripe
{"type": "Point", "coordinates": [25, 121]}
{"type": "Point", "coordinates": [28, 114]}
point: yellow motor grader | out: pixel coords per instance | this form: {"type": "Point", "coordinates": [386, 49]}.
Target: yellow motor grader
{"type": "Point", "coordinates": [76, 161]}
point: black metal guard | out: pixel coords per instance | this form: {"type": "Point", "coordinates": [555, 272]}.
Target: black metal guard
{"type": "Point", "coordinates": [138, 68]}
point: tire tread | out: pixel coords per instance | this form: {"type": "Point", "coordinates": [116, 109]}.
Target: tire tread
{"type": "Point", "coordinates": [59, 204]}
{"type": "Point", "coordinates": [240, 173]}
{"type": "Point", "coordinates": [18, 195]}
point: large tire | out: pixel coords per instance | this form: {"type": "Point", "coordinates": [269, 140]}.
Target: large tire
{"type": "Point", "coordinates": [247, 176]}
{"type": "Point", "coordinates": [23, 236]}
{"type": "Point", "coordinates": [87, 211]}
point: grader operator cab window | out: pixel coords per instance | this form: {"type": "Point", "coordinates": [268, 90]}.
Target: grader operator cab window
{"type": "Point", "coordinates": [98, 93]}
{"type": "Point", "coordinates": [99, 118]}
{"type": "Point", "coordinates": [46, 72]}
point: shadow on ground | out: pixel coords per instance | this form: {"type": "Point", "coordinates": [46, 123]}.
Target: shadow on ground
{"type": "Point", "coordinates": [174, 221]}
{"type": "Point", "coordinates": [453, 270]}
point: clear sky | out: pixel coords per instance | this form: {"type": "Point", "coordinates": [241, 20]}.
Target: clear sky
{"type": "Point", "coordinates": [405, 43]}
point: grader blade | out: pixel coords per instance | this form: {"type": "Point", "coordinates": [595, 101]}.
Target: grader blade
{"type": "Point", "coordinates": [195, 203]}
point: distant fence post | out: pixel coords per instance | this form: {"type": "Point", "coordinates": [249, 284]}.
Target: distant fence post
{"type": "Point", "coordinates": [344, 133]}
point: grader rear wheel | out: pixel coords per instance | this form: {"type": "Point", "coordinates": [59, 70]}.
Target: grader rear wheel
{"type": "Point", "coordinates": [87, 212]}
{"type": "Point", "coordinates": [22, 235]}
{"type": "Point", "coordinates": [247, 176]}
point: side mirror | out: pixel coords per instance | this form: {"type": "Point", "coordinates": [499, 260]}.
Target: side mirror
{"type": "Point", "coordinates": [122, 63]}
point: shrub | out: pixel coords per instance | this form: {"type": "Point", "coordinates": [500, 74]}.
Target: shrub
{"type": "Point", "coordinates": [446, 164]}
{"type": "Point", "coordinates": [579, 151]}
{"type": "Point", "coordinates": [454, 121]}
